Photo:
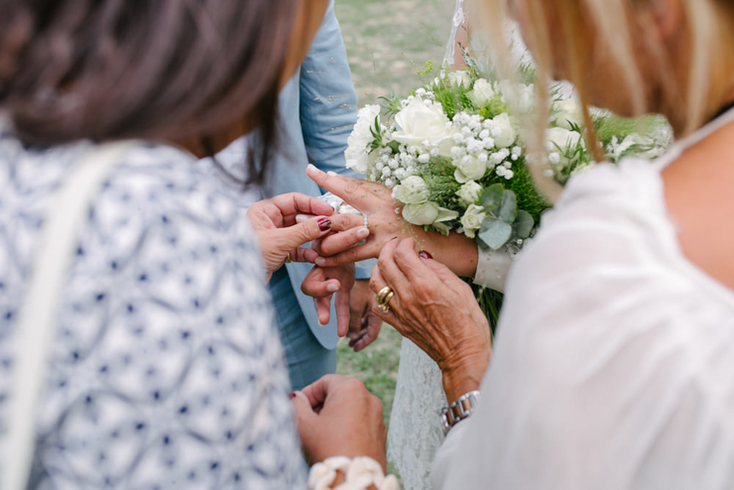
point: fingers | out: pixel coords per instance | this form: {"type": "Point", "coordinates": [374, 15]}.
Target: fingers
{"type": "Point", "coordinates": [304, 410]}
{"type": "Point", "coordinates": [294, 203]}
{"type": "Point", "coordinates": [311, 229]}
{"type": "Point", "coordinates": [349, 256]}
{"type": "Point", "coordinates": [341, 305]}
{"type": "Point", "coordinates": [317, 391]}
{"type": "Point", "coordinates": [445, 274]}
{"type": "Point", "coordinates": [389, 270]}
{"type": "Point", "coordinates": [344, 187]}
{"type": "Point", "coordinates": [302, 254]}
{"type": "Point", "coordinates": [410, 264]}
{"type": "Point", "coordinates": [339, 242]}
{"type": "Point", "coordinates": [323, 309]}
{"type": "Point", "coordinates": [368, 334]}
{"type": "Point", "coordinates": [317, 285]}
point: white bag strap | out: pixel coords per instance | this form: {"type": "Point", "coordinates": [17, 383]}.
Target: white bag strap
{"type": "Point", "coordinates": [37, 320]}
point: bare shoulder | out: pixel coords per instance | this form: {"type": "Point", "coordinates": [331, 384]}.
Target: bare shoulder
{"type": "Point", "coordinates": [699, 193]}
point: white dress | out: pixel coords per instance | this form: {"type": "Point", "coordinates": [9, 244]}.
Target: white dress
{"type": "Point", "coordinates": [614, 362]}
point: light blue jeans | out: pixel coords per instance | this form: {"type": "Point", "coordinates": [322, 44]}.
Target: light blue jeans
{"type": "Point", "coordinates": [307, 359]}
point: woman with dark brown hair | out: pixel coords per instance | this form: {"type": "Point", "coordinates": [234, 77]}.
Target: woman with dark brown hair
{"type": "Point", "coordinates": [164, 369]}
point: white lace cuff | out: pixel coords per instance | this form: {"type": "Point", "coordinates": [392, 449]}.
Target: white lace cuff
{"type": "Point", "coordinates": [359, 473]}
{"type": "Point", "coordinates": [492, 268]}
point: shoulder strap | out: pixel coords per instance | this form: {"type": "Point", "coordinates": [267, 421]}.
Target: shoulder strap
{"type": "Point", "coordinates": [39, 311]}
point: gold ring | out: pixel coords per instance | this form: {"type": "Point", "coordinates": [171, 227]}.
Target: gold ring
{"type": "Point", "coordinates": [288, 259]}
{"type": "Point", "coordinates": [385, 305]}
{"type": "Point", "coordinates": [382, 294]}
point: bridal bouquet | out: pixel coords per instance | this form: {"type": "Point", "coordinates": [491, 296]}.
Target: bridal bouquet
{"type": "Point", "coordinates": [454, 156]}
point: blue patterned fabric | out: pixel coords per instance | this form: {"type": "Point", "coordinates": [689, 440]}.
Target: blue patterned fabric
{"type": "Point", "coordinates": [167, 371]}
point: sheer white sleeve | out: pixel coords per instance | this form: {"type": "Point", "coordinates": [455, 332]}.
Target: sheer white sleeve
{"type": "Point", "coordinates": [492, 268]}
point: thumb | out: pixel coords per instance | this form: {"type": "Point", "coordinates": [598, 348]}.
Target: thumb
{"type": "Point", "coordinates": [311, 229]}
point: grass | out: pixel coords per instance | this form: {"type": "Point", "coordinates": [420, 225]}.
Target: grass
{"type": "Point", "coordinates": [389, 40]}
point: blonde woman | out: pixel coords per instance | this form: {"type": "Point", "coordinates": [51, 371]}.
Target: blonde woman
{"type": "Point", "coordinates": [613, 365]}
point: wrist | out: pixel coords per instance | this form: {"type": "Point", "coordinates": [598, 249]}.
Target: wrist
{"type": "Point", "coordinates": [465, 376]}
{"type": "Point", "coordinates": [457, 252]}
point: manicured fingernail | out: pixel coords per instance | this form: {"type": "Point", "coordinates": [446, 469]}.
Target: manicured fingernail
{"type": "Point", "coordinates": [332, 288]}
{"type": "Point", "coordinates": [324, 224]}
{"type": "Point", "coordinates": [320, 261]}
{"type": "Point", "coordinates": [300, 218]}
{"type": "Point", "coordinates": [292, 395]}
{"type": "Point", "coordinates": [425, 255]}
{"type": "Point", "coordinates": [363, 233]}
{"type": "Point", "coordinates": [312, 168]}
{"type": "Point", "coordinates": [331, 173]}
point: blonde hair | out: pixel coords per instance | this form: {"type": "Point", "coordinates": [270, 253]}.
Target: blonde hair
{"type": "Point", "coordinates": [704, 84]}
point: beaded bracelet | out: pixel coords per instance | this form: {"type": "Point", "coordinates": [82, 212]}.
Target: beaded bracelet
{"type": "Point", "coordinates": [360, 473]}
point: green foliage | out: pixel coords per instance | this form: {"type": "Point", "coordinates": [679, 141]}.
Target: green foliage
{"type": "Point", "coordinates": [504, 221]}
{"type": "Point", "coordinates": [390, 105]}
{"type": "Point", "coordinates": [607, 126]}
{"type": "Point", "coordinates": [523, 186]}
{"type": "Point", "coordinates": [427, 68]}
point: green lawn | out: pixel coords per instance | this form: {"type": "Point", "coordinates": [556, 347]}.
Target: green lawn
{"type": "Point", "coordinates": [388, 40]}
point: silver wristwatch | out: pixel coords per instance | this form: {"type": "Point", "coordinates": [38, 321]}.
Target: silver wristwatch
{"type": "Point", "coordinates": [459, 410]}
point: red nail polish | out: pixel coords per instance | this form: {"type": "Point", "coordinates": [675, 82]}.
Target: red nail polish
{"type": "Point", "coordinates": [324, 224]}
{"type": "Point", "coordinates": [292, 395]}
{"type": "Point", "coordinates": [425, 255]}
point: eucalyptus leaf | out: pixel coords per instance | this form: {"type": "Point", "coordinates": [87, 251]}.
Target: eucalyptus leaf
{"type": "Point", "coordinates": [495, 233]}
{"type": "Point", "coordinates": [524, 224]}
{"type": "Point", "coordinates": [508, 210]}
{"type": "Point", "coordinates": [492, 197]}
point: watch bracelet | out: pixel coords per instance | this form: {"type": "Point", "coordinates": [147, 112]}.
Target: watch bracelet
{"type": "Point", "coordinates": [458, 410]}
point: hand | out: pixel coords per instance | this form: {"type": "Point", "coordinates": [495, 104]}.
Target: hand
{"type": "Point", "coordinates": [337, 416]}
{"type": "Point", "coordinates": [385, 223]}
{"type": "Point", "coordinates": [322, 283]}
{"type": "Point", "coordinates": [364, 325]}
{"type": "Point", "coordinates": [436, 310]}
{"type": "Point", "coordinates": [281, 236]}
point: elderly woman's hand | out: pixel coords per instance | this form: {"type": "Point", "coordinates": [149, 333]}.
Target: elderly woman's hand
{"type": "Point", "coordinates": [337, 416]}
{"type": "Point", "coordinates": [281, 236]}
{"type": "Point", "coordinates": [436, 310]}
{"type": "Point", "coordinates": [385, 223]}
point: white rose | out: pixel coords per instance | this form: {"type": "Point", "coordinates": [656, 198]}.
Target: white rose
{"type": "Point", "coordinates": [519, 95]}
{"type": "Point", "coordinates": [421, 214]}
{"type": "Point", "coordinates": [472, 219]}
{"type": "Point", "coordinates": [412, 190]}
{"type": "Point", "coordinates": [470, 192]}
{"type": "Point", "coordinates": [503, 133]}
{"type": "Point", "coordinates": [481, 93]}
{"type": "Point", "coordinates": [357, 154]}
{"type": "Point", "coordinates": [469, 168]}
{"type": "Point", "coordinates": [421, 121]}
{"type": "Point", "coordinates": [565, 113]}
{"type": "Point", "coordinates": [427, 213]}
{"type": "Point", "coordinates": [460, 78]}
{"type": "Point", "coordinates": [561, 139]}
